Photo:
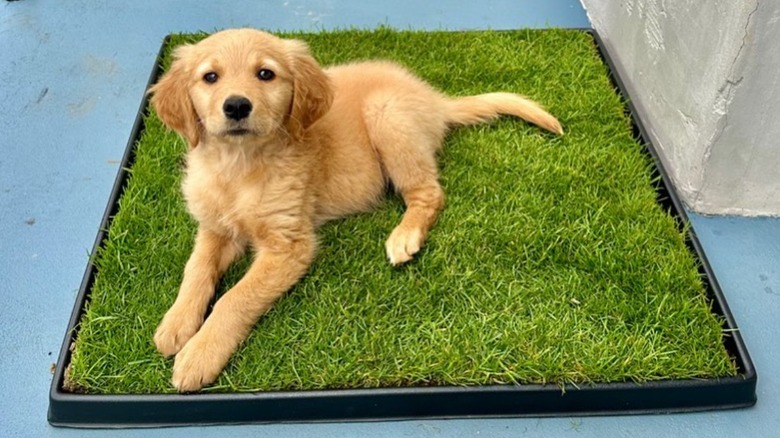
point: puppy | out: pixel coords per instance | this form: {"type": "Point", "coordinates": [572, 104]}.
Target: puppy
{"type": "Point", "coordinates": [278, 146]}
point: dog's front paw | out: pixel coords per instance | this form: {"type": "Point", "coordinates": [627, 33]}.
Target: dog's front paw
{"type": "Point", "coordinates": [403, 244]}
{"type": "Point", "coordinates": [176, 328]}
{"type": "Point", "coordinates": [197, 365]}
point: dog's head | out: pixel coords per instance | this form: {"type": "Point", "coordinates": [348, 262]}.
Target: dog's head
{"type": "Point", "coordinates": [239, 84]}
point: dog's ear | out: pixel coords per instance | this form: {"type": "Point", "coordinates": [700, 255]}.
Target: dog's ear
{"type": "Point", "coordinates": [312, 91]}
{"type": "Point", "coordinates": [171, 99]}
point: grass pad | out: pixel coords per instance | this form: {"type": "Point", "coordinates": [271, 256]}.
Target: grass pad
{"type": "Point", "coordinates": [552, 262]}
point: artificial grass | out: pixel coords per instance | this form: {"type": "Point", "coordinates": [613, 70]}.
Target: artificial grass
{"type": "Point", "coordinates": [552, 262]}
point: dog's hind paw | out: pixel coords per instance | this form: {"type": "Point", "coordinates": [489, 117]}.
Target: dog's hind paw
{"type": "Point", "coordinates": [403, 244]}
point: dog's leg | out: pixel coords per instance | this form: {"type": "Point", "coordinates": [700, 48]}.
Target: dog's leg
{"type": "Point", "coordinates": [414, 174]}
{"type": "Point", "coordinates": [407, 135]}
{"type": "Point", "coordinates": [209, 260]}
{"type": "Point", "coordinates": [276, 268]}
{"type": "Point", "coordinates": [424, 200]}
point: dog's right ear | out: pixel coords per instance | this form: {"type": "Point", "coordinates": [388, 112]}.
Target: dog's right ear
{"type": "Point", "coordinates": [171, 99]}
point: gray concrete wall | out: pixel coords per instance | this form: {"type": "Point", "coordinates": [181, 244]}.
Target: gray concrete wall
{"type": "Point", "coordinates": [706, 76]}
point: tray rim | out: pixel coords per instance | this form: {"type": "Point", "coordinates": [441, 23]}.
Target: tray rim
{"type": "Point", "coordinates": [373, 404]}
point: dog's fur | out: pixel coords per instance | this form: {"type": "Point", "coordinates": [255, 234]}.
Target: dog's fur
{"type": "Point", "coordinates": [317, 145]}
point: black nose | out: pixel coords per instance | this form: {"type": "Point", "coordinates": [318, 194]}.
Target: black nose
{"type": "Point", "coordinates": [237, 107]}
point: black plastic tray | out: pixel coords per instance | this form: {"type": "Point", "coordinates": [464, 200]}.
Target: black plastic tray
{"type": "Point", "coordinates": [85, 410]}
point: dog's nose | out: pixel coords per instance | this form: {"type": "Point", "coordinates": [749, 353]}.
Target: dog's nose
{"type": "Point", "coordinates": [237, 107]}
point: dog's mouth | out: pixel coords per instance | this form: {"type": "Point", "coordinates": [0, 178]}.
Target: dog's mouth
{"type": "Point", "coordinates": [237, 132]}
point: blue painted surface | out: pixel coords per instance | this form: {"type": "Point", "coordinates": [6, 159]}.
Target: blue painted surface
{"type": "Point", "coordinates": [73, 74]}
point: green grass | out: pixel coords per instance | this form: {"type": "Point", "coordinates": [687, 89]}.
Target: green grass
{"type": "Point", "coordinates": [552, 263]}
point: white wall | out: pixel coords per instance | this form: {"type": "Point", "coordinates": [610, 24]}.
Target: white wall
{"type": "Point", "coordinates": [706, 74]}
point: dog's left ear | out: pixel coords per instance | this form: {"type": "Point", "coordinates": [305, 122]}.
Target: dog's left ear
{"type": "Point", "coordinates": [312, 91]}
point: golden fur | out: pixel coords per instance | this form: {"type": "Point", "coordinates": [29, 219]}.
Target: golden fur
{"type": "Point", "coordinates": [317, 144]}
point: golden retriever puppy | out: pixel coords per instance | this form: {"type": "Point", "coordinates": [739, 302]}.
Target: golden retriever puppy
{"type": "Point", "coordinates": [277, 146]}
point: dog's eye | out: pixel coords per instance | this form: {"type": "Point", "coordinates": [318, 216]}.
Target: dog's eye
{"type": "Point", "coordinates": [265, 75]}
{"type": "Point", "coordinates": [210, 77]}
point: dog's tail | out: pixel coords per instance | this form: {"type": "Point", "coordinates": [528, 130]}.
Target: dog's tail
{"type": "Point", "coordinates": [484, 107]}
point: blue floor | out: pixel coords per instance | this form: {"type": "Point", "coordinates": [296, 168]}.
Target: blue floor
{"type": "Point", "coordinates": [73, 74]}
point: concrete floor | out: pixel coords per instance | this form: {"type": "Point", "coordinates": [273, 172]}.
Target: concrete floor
{"type": "Point", "coordinates": [73, 74]}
